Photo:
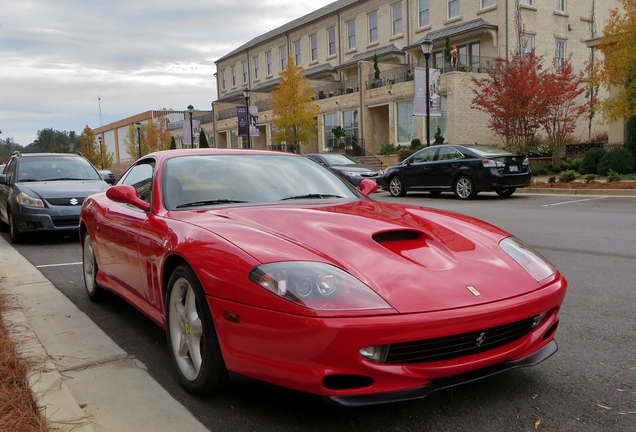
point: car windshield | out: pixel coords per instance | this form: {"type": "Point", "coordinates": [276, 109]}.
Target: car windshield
{"type": "Point", "coordinates": [484, 150]}
{"type": "Point", "coordinates": [191, 181]}
{"type": "Point", "coordinates": [43, 168]}
{"type": "Point", "coordinates": [340, 159]}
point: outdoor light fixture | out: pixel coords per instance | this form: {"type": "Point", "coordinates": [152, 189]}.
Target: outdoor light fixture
{"type": "Point", "coordinates": [138, 124]}
{"type": "Point", "coordinates": [427, 46]}
{"type": "Point", "coordinates": [101, 152]}
{"type": "Point", "coordinates": [190, 111]}
{"type": "Point", "coordinates": [246, 95]}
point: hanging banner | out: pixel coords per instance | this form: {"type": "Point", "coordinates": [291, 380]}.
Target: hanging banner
{"type": "Point", "coordinates": [254, 121]}
{"type": "Point", "coordinates": [241, 114]}
{"type": "Point", "coordinates": [419, 93]}
{"type": "Point", "coordinates": [187, 135]}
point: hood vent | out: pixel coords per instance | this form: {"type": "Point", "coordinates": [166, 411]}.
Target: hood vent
{"type": "Point", "coordinates": [395, 236]}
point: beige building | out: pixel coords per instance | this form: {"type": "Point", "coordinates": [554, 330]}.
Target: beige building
{"type": "Point", "coordinates": [336, 46]}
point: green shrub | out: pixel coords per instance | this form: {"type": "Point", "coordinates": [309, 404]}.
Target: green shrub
{"type": "Point", "coordinates": [567, 176]}
{"type": "Point", "coordinates": [540, 171]}
{"type": "Point", "coordinates": [551, 179]}
{"type": "Point", "coordinates": [416, 143]}
{"type": "Point", "coordinates": [589, 178]}
{"type": "Point", "coordinates": [618, 159]}
{"type": "Point", "coordinates": [542, 150]}
{"type": "Point", "coordinates": [590, 161]}
{"type": "Point", "coordinates": [613, 176]}
{"type": "Point", "coordinates": [571, 164]}
{"type": "Point", "coordinates": [439, 138]}
{"type": "Point", "coordinates": [388, 149]}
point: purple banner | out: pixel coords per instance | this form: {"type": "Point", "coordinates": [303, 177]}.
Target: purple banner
{"type": "Point", "coordinates": [241, 114]}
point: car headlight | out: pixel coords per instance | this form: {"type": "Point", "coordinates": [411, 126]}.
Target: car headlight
{"type": "Point", "coordinates": [351, 173]}
{"type": "Point", "coordinates": [28, 200]}
{"type": "Point", "coordinates": [528, 258]}
{"type": "Point", "coordinates": [316, 286]}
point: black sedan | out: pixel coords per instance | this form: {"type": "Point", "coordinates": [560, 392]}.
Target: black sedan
{"type": "Point", "coordinates": [462, 169]}
{"type": "Point", "coordinates": [348, 167]}
{"type": "Point", "coordinates": [108, 176]}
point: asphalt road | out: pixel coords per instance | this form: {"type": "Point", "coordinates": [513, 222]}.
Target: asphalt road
{"type": "Point", "coordinates": [588, 385]}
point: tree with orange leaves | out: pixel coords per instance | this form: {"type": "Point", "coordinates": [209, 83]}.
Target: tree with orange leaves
{"type": "Point", "coordinates": [618, 45]}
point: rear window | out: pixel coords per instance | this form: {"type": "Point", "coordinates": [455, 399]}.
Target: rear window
{"type": "Point", "coordinates": [488, 150]}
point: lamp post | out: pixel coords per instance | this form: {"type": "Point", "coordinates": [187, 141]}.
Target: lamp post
{"type": "Point", "coordinates": [246, 95]}
{"type": "Point", "coordinates": [138, 124]}
{"type": "Point", "coordinates": [427, 45]}
{"type": "Point", "coordinates": [101, 152]}
{"type": "Point", "coordinates": [190, 111]}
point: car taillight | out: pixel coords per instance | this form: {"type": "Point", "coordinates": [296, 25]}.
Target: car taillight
{"type": "Point", "coordinates": [487, 163]}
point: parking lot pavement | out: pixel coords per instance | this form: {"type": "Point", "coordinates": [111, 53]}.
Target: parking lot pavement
{"type": "Point", "coordinates": [82, 380]}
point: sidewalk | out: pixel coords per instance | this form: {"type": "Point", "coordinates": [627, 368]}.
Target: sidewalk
{"type": "Point", "coordinates": [84, 381]}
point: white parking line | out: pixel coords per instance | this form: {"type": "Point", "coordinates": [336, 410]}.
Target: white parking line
{"type": "Point", "coordinates": [571, 202]}
{"type": "Point", "coordinates": [59, 265]}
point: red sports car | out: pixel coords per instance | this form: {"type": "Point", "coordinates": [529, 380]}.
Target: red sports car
{"type": "Point", "coordinates": [269, 265]}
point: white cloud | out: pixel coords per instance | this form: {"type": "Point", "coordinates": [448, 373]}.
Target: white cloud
{"type": "Point", "coordinates": [57, 58]}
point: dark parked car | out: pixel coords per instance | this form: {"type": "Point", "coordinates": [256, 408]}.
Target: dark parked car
{"type": "Point", "coordinates": [462, 169]}
{"type": "Point", "coordinates": [348, 167]}
{"type": "Point", "coordinates": [108, 176]}
{"type": "Point", "coordinates": [44, 192]}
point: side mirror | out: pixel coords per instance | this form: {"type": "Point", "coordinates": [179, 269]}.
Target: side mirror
{"type": "Point", "coordinates": [126, 194]}
{"type": "Point", "coordinates": [3, 179]}
{"type": "Point", "coordinates": [367, 186]}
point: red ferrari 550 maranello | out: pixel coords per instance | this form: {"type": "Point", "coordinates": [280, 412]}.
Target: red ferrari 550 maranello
{"type": "Point", "coordinates": [268, 265]}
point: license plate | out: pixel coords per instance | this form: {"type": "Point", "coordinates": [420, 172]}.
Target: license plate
{"type": "Point", "coordinates": [513, 168]}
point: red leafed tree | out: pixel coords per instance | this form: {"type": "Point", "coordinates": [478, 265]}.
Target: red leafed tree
{"type": "Point", "coordinates": [561, 88]}
{"type": "Point", "coordinates": [512, 96]}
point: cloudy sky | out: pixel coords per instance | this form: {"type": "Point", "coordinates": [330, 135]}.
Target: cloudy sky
{"type": "Point", "coordinates": [57, 57]}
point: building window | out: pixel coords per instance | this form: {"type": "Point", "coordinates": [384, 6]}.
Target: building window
{"type": "Point", "coordinates": [223, 84]}
{"type": "Point", "coordinates": [424, 13]}
{"type": "Point", "coordinates": [487, 3]}
{"type": "Point", "coordinates": [527, 2]}
{"type": "Point", "coordinates": [406, 122]}
{"type": "Point", "coordinates": [527, 42]}
{"type": "Point", "coordinates": [234, 138]}
{"type": "Point", "coordinates": [350, 123]}
{"type": "Point", "coordinates": [268, 60]}
{"type": "Point", "coordinates": [559, 6]}
{"type": "Point", "coordinates": [233, 71]}
{"type": "Point", "coordinates": [351, 34]}
{"type": "Point", "coordinates": [331, 39]}
{"type": "Point", "coordinates": [396, 10]}
{"type": "Point", "coordinates": [244, 71]}
{"type": "Point", "coordinates": [313, 47]}
{"type": "Point", "coordinates": [297, 58]}
{"type": "Point", "coordinates": [255, 63]}
{"type": "Point", "coordinates": [453, 8]}
{"type": "Point", "coordinates": [373, 27]}
{"type": "Point", "coordinates": [475, 57]}
{"type": "Point", "coordinates": [559, 52]}
{"type": "Point", "coordinates": [442, 121]}
{"type": "Point", "coordinates": [329, 122]}
{"type": "Point", "coordinates": [283, 57]}
{"type": "Point", "coordinates": [438, 60]}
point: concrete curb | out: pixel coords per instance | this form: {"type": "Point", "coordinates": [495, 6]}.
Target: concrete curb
{"type": "Point", "coordinates": [83, 380]}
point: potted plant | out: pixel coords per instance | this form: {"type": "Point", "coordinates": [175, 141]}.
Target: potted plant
{"type": "Point", "coordinates": [339, 133]}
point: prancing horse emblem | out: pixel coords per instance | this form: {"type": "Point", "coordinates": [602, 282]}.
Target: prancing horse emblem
{"type": "Point", "coordinates": [481, 339]}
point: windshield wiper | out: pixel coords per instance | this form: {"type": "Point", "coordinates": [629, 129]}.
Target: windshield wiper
{"type": "Point", "coordinates": [209, 202]}
{"type": "Point", "coordinates": [311, 196]}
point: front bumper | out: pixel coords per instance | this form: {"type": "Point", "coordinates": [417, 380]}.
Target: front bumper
{"type": "Point", "coordinates": [56, 218]}
{"type": "Point", "coordinates": [443, 383]}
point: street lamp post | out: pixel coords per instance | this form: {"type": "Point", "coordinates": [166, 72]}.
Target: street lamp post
{"type": "Point", "coordinates": [190, 111]}
{"type": "Point", "coordinates": [246, 95]}
{"type": "Point", "coordinates": [138, 124]}
{"type": "Point", "coordinates": [427, 45]}
{"type": "Point", "coordinates": [101, 152]}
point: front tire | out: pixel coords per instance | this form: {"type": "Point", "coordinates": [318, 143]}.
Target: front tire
{"type": "Point", "coordinates": [465, 188]}
{"type": "Point", "coordinates": [192, 338]}
{"type": "Point", "coordinates": [505, 192]}
{"type": "Point", "coordinates": [396, 187]}
{"type": "Point", "coordinates": [94, 292]}
{"type": "Point", "coordinates": [14, 234]}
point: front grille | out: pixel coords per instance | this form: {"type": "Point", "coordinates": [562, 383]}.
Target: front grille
{"type": "Point", "coordinates": [66, 222]}
{"type": "Point", "coordinates": [369, 174]}
{"type": "Point", "coordinates": [451, 347]}
{"type": "Point", "coordinates": [76, 201]}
